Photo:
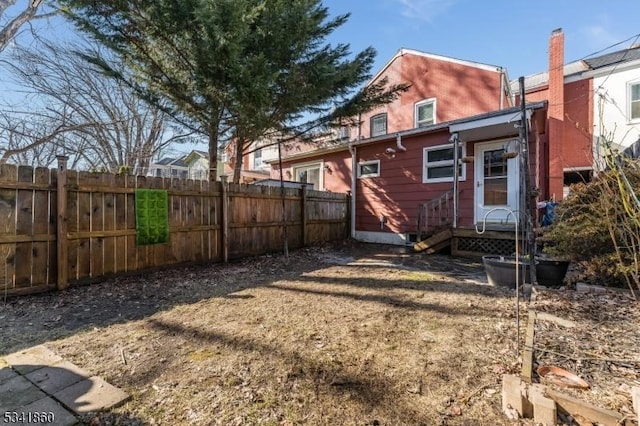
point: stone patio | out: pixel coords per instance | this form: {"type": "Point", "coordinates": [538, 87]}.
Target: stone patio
{"type": "Point", "coordinates": [37, 380]}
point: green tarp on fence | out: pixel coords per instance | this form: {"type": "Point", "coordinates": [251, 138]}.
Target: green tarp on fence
{"type": "Point", "coordinates": [152, 216]}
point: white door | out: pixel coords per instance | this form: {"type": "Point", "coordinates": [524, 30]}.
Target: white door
{"type": "Point", "coordinates": [496, 182]}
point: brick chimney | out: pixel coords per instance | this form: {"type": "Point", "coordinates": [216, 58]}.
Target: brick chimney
{"type": "Point", "coordinates": [556, 113]}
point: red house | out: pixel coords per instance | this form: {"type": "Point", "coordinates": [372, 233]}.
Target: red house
{"type": "Point", "coordinates": [442, 89]}
{"type": "Point", "coordinates": [399, 162]}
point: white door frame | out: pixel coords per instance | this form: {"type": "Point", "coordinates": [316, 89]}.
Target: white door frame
{"type": "Point", "coordinates": [501, 216]}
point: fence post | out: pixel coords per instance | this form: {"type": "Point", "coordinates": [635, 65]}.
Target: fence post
{"type": "Point", "coordinates": [303, 202]}
{"type": "Point", "coordinates": [348, 215]}
{"type": "Point", "coordinates": [62, 224]}
{"type": "Point", "coordinates": [224, 226]}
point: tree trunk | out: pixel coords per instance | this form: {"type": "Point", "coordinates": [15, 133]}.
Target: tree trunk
{"type": "Point", "coordinates": [11, 28]}
{"type": "Point", "coordinates": [237, 167]}
{"type": "Point", "coordinates": [213, 153]}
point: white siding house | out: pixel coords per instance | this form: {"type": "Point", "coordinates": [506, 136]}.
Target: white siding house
{"type": "Point", "coordinates": [616, 104]}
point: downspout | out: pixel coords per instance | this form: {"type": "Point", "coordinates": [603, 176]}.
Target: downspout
{"type": "Point", "coordinates": [501, 88]}
{"type": "Point", "coordinates": [354, 170]}
{"type": "Point", "coordinates": [454, 140]}
{"type": "Point", "coordinates": [352, 150]}
{"type": "Point", "coordinates": [399, 142]}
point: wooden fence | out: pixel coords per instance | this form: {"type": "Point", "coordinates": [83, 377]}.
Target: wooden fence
{"type": "Point", "coordinates": [60, 226]}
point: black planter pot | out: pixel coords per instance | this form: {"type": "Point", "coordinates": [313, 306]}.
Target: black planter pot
{"type": "Point", "coordinates": [551, 273]}
{"type": "Point", "coordinates": [501, 271]}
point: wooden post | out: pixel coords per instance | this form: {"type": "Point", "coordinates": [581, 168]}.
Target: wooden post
{"type": "Point", "coordinates": [285, 238]}
{"type": "Point", "coordinates": [348, 215]}
{"type": "Point", "coordinates": [303, 202]}
{"type": "Point", "coordinates": [527, 358]}
{"type": "Point", "coordinates": [61, 224]}
{"type": "Point", "coordinates": [224, 228]}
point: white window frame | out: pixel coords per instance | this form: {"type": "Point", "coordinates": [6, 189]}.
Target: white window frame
{"type": "Point", "coordinates": [386, 124]}
{"type": "Point", "coordinates": [343, 132]}
{"type": "Point", "coordinates": [426, 166]}
{"type": "Point", "coordinates": [631, 101]}
{"type": "Point", "coordinates": [310, 165]}
{"type": "Point", "coordinates": [367, 163]}
{"type": "Point", "coordinates": [422, 103]}
{"type": "Point", "coordinates": [257, 159]}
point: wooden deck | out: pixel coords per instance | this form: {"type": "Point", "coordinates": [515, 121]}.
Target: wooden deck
{"type": "Point", "coordinates": [466, 242]}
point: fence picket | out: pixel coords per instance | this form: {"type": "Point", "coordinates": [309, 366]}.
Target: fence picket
{"type": "Point", "coordinates": [24, 226]}
{"type": "Point", "coordinates": [8, 173]}
{"type": "Point", "coordinates": [41, 226]}
{"type": "Point", "coordinates": [108, 224]}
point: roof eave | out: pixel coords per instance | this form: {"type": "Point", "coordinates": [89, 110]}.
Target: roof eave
{"type": "Point", "coordinates": [307, 154]}
{"type": "Point", "coordinates": [448, 124]}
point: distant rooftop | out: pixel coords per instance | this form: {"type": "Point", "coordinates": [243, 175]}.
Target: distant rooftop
{"type": "Point", "coordinates": [618, 57]}
{"type": "Point", "coordinates": [578, 67]}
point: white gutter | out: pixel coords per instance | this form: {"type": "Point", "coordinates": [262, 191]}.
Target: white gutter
{"type": "Point", "coordinates": [354, 176]}
{"type": "Point", "coordinates": [399, 142]}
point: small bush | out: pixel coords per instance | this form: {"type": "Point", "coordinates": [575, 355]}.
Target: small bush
{"type": "Point", "coordinates": [598, 225]}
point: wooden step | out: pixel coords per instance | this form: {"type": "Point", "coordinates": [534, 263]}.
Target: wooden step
{"type": "Point", "coordinates": [434, 243]}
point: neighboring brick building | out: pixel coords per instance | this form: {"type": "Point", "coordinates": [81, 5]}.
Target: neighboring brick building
{"type": "Point", "coordinates": [588, 100]}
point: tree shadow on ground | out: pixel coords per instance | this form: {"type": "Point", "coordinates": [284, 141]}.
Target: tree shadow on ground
{"type": "Point", "coordinates": [371, 391]}
{"type": "Point", "coordinates": [409, 283]}
{"type": "Point", "coordinates": [30, 320]}
{"type": "Point", "coordinates": [388, 300]}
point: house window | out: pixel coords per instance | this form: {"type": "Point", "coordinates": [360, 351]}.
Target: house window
{"type": "Point", "coordinates": [634, 101]}
{"type": "Point", "coordinates": [257, 158]}
{"type": "Point", "coordinates": [309, 173]}
{"type": "Point", "coordinates": [425, 113]}
{"type": "Point", "coordinates": [438, 164]}
{"type": "Point", "coordinates": [368, 169]}
{"type": "Point", "coordinates": [379, 125]}
{"type": "Point", "coordinates": [343, 133]}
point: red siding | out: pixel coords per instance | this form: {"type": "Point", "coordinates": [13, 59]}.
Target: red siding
{"type": "Point", "coordinates": [399, 189]}
{"type": "Point", "coordinates": [460, 91]}
{"type": "Point", "coordinates": [336, 172]}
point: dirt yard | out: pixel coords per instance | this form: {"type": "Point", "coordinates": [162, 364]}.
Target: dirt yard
{"type": "Point", "coordinates": [342, 335]}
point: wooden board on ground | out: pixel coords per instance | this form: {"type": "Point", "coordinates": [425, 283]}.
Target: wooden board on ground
{"type": "Point", "coordinates": [527, 357]}
{"type": "Point", "coordinates": [572, 406]}
{"type": "Point", "coordinates": [555, 319]}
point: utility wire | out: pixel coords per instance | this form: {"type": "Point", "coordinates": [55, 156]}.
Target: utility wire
{"type": "Point", "coordinates": [635, 39]}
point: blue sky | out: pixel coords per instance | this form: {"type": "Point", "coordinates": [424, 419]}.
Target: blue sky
{"type": "Point", "coordinates": [513, 34]}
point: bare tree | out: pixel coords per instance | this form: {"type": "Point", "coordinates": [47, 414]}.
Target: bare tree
{"type": "Point", "coordinates": [10, 25]}
{"type": "Point", "coordinates": [30, 138]}
{"type": "Point", "coordinates": [94, 119]}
